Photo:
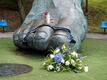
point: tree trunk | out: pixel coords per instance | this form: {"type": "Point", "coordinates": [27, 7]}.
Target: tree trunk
{"type": "Point", "coordinates": [21, 9]}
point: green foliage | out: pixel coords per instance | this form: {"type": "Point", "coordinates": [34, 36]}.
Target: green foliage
{"type": "Point", "coordinates": [97, 13]}
{"type": "Point", "coordinates": [13, 2]}
{"type": "Point", "coordinates": [9, 3]}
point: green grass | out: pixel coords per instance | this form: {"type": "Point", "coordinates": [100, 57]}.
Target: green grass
{"type": "Point", "coordinates": [97, 13]}
{"type": "Point", "coordinates": [96, 50]}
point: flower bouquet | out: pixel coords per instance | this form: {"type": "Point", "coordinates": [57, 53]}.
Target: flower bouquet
{"type": "Point", "coordinates": [64, 59]}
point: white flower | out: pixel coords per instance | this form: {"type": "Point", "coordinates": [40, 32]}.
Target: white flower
{"type": "Point", "coordinates": [74, 54]}
{"type": "Point", "coordinates": [50, 67]}
{"type": "Point", "coordinates": [67, 63]}
{"type": "Point", "coordinates": [58, 69]}
{"type": "Point", "coordinates": [57, 50]}
{"type": "Point", "coordinates": [85, 68]}
{"type": "Point", "coordinates": [52, 56]}
{"type": "Point", "coordinates": [79, 68]}
{"type": "Point", "coordinates": [62, 61]}
{"type": "Point", "coordinates": [73, 62]}
{"type": "Point", "coordinates": [44, 64]}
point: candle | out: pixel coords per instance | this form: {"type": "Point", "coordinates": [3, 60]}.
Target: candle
{"type": "Point", "coordinates": [47, 17]}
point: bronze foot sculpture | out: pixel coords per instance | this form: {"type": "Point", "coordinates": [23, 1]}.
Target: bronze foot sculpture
{"type": "Point", "coordinates": [51, 23]}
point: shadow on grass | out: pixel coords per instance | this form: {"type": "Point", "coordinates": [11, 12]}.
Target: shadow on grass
{"type": "Point", "coordinates": [30, 53]}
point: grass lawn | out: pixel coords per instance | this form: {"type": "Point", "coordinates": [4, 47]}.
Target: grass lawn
{"type": "Point", "coordinates": [96, 50]}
